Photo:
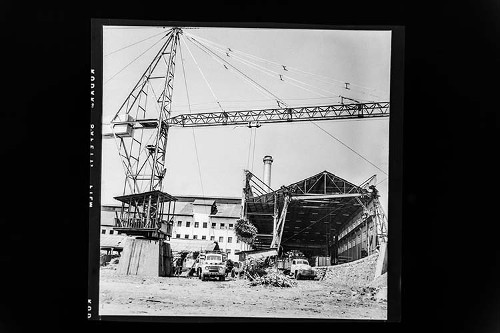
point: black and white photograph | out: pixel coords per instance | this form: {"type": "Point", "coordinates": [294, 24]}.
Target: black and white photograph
{"type": "Point", "coordinates": [242, 172]}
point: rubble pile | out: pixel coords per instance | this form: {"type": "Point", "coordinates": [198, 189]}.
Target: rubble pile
{"type": "Point", "coordinates": [358, 273]}
{"type": "Point", "coordinates": [271, 278]}
{"type": "Point", "coordinates": [364, 293]}
{"type": "Point", "coordinates": [320, 272]}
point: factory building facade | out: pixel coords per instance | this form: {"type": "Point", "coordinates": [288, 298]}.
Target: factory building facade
{"type": "Point", "coordinates": [195, 219]}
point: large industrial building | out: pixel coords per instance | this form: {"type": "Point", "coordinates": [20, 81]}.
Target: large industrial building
{"type": "Point", "coordinates": [326, 216]}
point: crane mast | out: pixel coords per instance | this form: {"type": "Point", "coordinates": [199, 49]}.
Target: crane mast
{"type": "Point", "coordinates": [145, 164]}
{"type": "Point", "coordinates": [143, 202]}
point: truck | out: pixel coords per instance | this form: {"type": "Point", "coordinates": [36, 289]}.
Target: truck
{"type": "Point", "coordinates": [297, 267]}
{"type": "Point", "coordinates": [210, 265]}
{"type": "Point", "coordinates": [300, 269]}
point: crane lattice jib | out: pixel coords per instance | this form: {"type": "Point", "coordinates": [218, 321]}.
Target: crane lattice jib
{"type": "Point", "coordinates": [276, 115]}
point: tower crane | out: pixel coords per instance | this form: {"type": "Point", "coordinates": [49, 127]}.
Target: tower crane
{"type": "Point", "coordinates": [143, 199]}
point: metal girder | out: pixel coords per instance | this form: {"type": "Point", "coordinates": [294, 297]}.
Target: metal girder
{"type": "Point", "coordinates": [328, 196]}
{"type": "Point", "coordinates": [277, 115]}
{"type": "Point", "coordinates": [280, 225]}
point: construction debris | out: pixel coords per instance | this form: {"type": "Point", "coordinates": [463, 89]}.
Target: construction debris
{"type": "Point", "coordinates": [271, 278]}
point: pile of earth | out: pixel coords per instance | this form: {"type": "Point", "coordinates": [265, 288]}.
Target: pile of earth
{"type": "Point", "coordinates": [359, 273]}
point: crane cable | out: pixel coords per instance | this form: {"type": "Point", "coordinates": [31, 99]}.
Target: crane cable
{"type": "Point", "coordinates": [293, 68]}
{"type": "Point", "coordinates": [364, 158]}
{"type": "Point", "coordinates": [249, 149]}
{"type": "Point", "coordinates": [276, 74]}
{"type": "Point", "coordinates": [354, 151]}
{"type": "Point", "coordinates": [203, 75]}
{"type": "Point", "coordinates": [253, 153]}
{"type": "Point", "coordinates": [125, 47]}
{"type": "Point", "coordinates": [192, 128]}
{"type": "Point", "coordinates": [259, 89]}
{"type": "Point", "coordinates": [121, 70]}
{"type": "Point", "coordinates": [240, 72]}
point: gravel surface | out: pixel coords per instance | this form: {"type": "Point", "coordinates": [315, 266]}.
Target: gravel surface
{"type": "Point", "coordinates": [183, 296]}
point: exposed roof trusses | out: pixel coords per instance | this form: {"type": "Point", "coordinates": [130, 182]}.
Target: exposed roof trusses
{"type": "Point", "coordinates": [333, 202]}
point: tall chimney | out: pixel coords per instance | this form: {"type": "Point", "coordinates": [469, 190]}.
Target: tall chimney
{"type": "Point", "coordinates": [268, 160]}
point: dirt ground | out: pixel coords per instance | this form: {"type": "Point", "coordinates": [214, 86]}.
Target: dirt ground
{"type": "Point", "coordinates": [189, 296]}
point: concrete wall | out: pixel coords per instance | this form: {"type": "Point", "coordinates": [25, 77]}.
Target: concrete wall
{"type": "Point", "coordinates": [142, 257]}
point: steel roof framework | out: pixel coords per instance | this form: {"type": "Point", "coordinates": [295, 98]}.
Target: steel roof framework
{"type": "Point", "coordinates": [313, 221]}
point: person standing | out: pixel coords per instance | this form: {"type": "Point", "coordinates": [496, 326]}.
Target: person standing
{"type": "Point", "coordinates": [178, 267]}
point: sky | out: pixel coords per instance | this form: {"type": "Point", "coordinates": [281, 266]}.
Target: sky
{"type": "Point", "coordinates": [319, 62]}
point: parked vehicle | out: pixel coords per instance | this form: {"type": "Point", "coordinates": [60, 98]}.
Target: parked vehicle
{"type": "Point", "coordinates": [296, 266]}
{"type": "Point", "coordinates": [300, 269]}
{"type": "Point", "coordinates": [211, 265]}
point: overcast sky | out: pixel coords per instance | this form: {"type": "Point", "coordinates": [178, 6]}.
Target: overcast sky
{"type": "Point", "coordinates": [299, 150]}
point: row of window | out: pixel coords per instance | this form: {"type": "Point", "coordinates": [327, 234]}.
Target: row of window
{"type": "Point", "coordinates": [212, 238]}
{"type": "Point", "coordinates": [205, 225]}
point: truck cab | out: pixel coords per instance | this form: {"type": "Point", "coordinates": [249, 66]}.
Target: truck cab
{"type": "Point", "coordinates": [211, 265]}
{"type": "Point", "coordinates": [300, 269]}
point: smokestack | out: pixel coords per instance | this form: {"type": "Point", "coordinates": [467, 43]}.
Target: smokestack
{"type": "Point", "coordinates": [268, 160]}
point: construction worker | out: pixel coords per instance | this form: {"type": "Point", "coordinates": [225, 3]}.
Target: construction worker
{"type": "Point", "coordinates": [229, 266]}
{"type": "Point", "coordinates": [178, 267]}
